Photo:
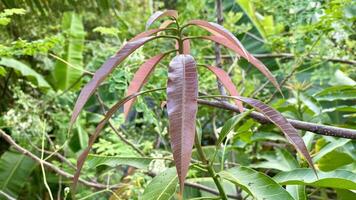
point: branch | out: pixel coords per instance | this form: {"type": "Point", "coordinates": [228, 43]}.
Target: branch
{"type": "Point", "coordinates": [50, 165]}
{"type": "Point", "coordinates": [290, 56]}
{"type": "Point", "coordinates": [301, 125]}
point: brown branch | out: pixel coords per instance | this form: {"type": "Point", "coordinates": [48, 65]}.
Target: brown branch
{"type": "Point", "coordinates": [290, 56]}
{"type": "Point", "coordinates": [301, 125]}
{"type": "Point", "coordinates": [48, 165]}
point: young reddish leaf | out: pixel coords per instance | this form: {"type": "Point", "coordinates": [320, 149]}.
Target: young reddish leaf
{"type": "Point", "coordinates": [166, 23]}
{"type": "Point", "coordinates": [146, 34]}
{"type": "Point", "coordinates": [219, 30]}
{"type": "Point", "coordinates": [258, 64]}
{"type": "Point", "coordinates": [98, 129]}
{"type": "Point", "coordinates": [103, 72]}
{"type": "Point", "coordinates": [182, 93]}
{"type": "Point", "coordinates": [228, 84]}
{"type": "Point", "coordinates": [186, 46]}
{"type": "Point", "coordinates": [277, 118]}
{"type": "Point", "coordinates": [160, 14]}
{"type": "Point", "coordinates": [140, 79]}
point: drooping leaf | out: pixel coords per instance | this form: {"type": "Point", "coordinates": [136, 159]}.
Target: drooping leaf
{"type": "Point", "coordinates": [64, 75]}
{"type": "Point", "coordinates": [289, 131]}
{"type": "Point", "coordinates": [103, 72]}
{"type": "Point", "coordinates": [162, 187]}
{"type": "Point", "coordinates": [225, 79]}
{"type": "Point", "coordinates": [258, 64]}
{"type": "Point", "coordinates": [146, 34]}
{"type": "Point", "coordinates": [15, 171]}
{"type": "Point", "coordinates": [159, 14]}
{"type": "Point", "coordinates": [25, 71]}
{"type": "Point", "coordinates": [182, 93]}
{"type": "Point", "coordinates": [335, 179]}
{"type": "Point", "coordinates": [219, 30]}
{"type": "Point", "coordinates": [94, 136]}
{"type": "Point", "coordinates": [113, 161]}
{"type": "Point", "coordinates": [140, 78]}
{"type": "Point", "coordinates": [259, 185]}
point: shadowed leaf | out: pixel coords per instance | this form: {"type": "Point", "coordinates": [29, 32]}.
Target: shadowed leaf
{"type": "Point", "coordinates": [140, 78]}
{"type": "Point", "coordinates": [160, 14]}
{"type": "Point", "coordinates": [224, 78]}
{"type": "Point", "coordinates": [100, 126]}
{"type": "Point", "coordinates": [289, 131]}
{"type": "Point", "coordinates": [103, 72]}
{"type": "Point", "coordinates": [258, 64]}
{"type": "Point", "coordinates": [182, 92]}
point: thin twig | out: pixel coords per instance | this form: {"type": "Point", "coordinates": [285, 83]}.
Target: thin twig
{"type": "Point", "coordinates": [117, 132]}
{"type": "Point", "coordinates": [50, 165]}
{"type": "Point", "coordinates": [301, 125]}
{"type": "Point", "coordinates": [41, 163]}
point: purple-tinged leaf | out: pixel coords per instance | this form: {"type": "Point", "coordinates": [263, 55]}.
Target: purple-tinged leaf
{"type": "Point", "coordinates": [160, 14]}
{"type": "Point", "coordinates": [219, 30]}
{"type": "Point", "coordinates": [228, 84]}
{"type": "Point", "coordinates": [140, 78]}
{"type": "Point", "coordinates": [100, 126]}
{"type": "Point", "coordinates": [146, 34]}
{"type": "Point", "coordinates": [182, 93]}
{"type": "Point", "coordinates": [279, 120]}
{"type": "Point", "coordinates": [103, 72]}
{"type": "Point", "coordinates": [258, 64]}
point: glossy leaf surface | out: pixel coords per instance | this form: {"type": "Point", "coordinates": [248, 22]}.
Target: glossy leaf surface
{"type": "Point", "coordinates": [182, 92]}
{"type": "Point", "coordinates": [103, 72]}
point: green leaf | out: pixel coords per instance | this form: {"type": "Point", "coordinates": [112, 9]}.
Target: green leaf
{"type": "Point", "coordinates": [162, 187]}
{"type": "Point", "coordinates": [283, 161]}
{"type": "Point", "coordinates": [67, 73]}
{"type": "Point", "coordinates": [15, 170]}
{"type": "Point", "coordinates": [113, 161]}
{"type": "Point", "coordinates": [26, 71]}
{"type": "Point", "coordinates": [337, 93]}
{"type": "Point", "coordinates": [345, 194]}
{"type": "Point", "coordinates": [336, 179]}
{"type": "Point", "coordinates": [228, 127]}
{"type": "Point", "coordinates": [334, 160]}
{"type": "Point", "coordinates": [329, 148]}
{"type": "Point", "coordinates": [256, 183]}
{"type": "Point", "coordinates": [297, 191]}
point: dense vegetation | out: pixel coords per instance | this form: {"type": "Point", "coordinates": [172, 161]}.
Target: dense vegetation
{"type": "Point", "coordinates": [50, 50]}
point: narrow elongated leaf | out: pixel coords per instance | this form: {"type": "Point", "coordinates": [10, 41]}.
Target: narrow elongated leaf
{"type": "Point", "coordinates": [219, 30]}
{"type": "Point", "coordinates": [258, 64]}
{"type": "Point", "coordinates": [140, 78]}
{"type": "Point", "coordinates": [146, 34]}
{"type": "Point", "coordinates": [182, 93]}
{"type": "Point", "coordinates": [289, 131]}
{"type": "Point", "coordinates": [162, 187]}
{"type": "Point", "coordinates": [103, 72]}
{"type": "Point", "coordinates": [336, 179]}
{"type": "Point", "coordinates": [160, 14]}
{"type": "Point", "coordinates": [100, 126]}
{"type": "Point", "coordinates": [113, 161]}
{"type": "Point", "coordinates": [225, 79]}
{"type": "Point", "coordinates": [259, 185]}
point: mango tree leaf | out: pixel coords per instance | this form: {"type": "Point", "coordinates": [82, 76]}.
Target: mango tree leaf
{"type": "Point", "coordinates": [15, 171]}
{"type": "Point", "coordinates": [159, 14]}
{"type": "Point", "coordinates": [225, 79]}
{"type": "Point", "coordinates": [140, 78]}
{"type": "Point", "coordinates": [336, 93]}
{"type": "Point", "coordinates": [182, 94]}
{"type": "Point", "coordinates": [297, 191]}
{"type": "Point", "coordinates": [329, 148]}
{"type": "Point", "coordinates": [335, 179]}
{"type": "Point", "coordinates": [103, 72]}
{"type": "Point", "coordinates": [259, 185]}
{"type": "Point", "coordinates": [282, 160]}
{"type": "Point", "coordinates": [25, 71]}
{"type": "Point", "coordinates": [334, 160]}
{"type": "Point", "coordinates": [100, 126]}
{"type": "Point", "coordinates": [65, 76]}
{"type": "Point", "coordinates": [345, 194]}
{"type": "Point", "coordinates": [162, 187]}
{"type": "Point", "coordinates": [289, 131]}
{"type": "Point", "coordinates": [113, 161]}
